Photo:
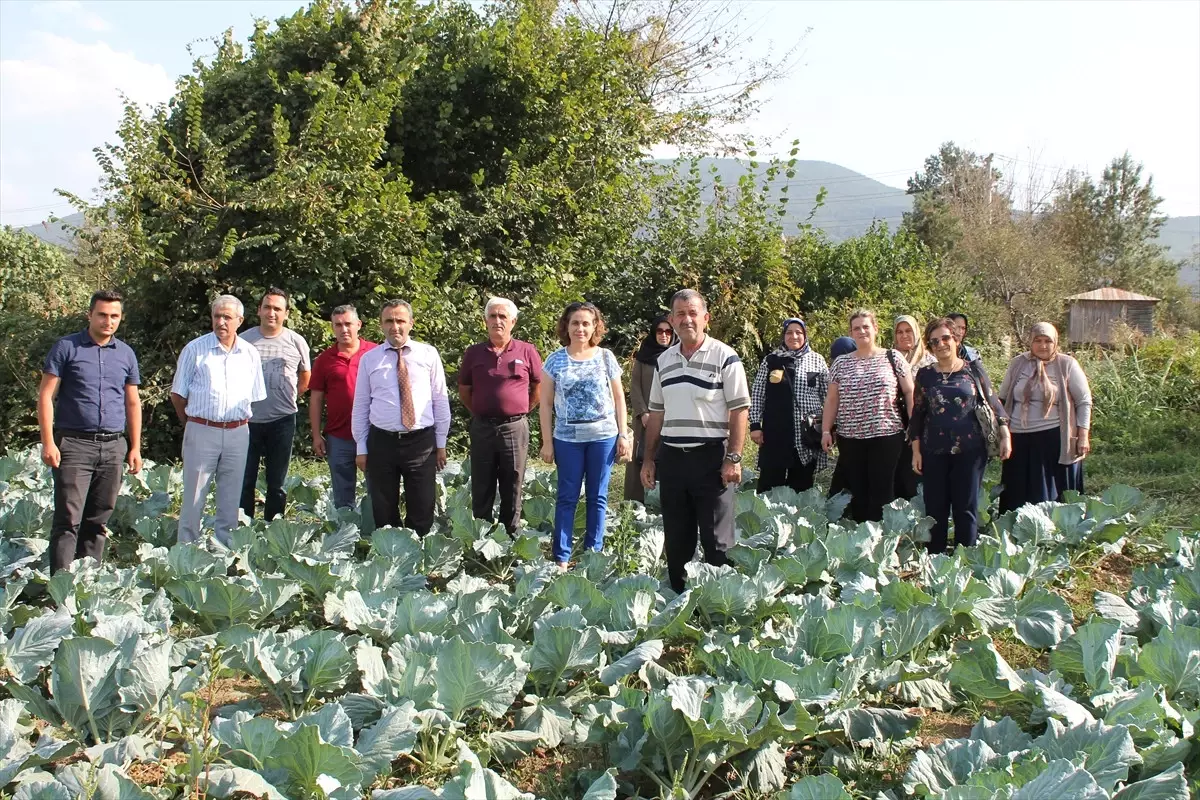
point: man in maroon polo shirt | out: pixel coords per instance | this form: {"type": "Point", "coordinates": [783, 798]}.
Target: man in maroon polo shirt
{"type": "Point", "coordinates": [332, 390]}
{"type": "Point", "coordinates": [498, 384]}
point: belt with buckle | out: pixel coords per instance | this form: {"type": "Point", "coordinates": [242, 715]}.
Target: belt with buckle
{"type": "Point", "coordinates": [400, 434]}
{"type": "Point", "coordinates": [91, 436]}
{"type": "Point", "coordinates": [237, 423]}
{"type": "Point", "coordinates": [501, 420]}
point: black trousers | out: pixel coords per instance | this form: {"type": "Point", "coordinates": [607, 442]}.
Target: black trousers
{"type": "Point", "coordinates": [952, 482]}
{"type": "Point", "coordinates": [696, 504]}
{"type": "Point", "coordinates": [499, 452]}
{"type": "Point", "coordinates": [868, 470]}
{"type": "Point", "coordinates": [271, 443]}
{"type": "Point", "coordinates": [906, 480]}
{"type": "Point", "coordinates": [86, 483]}
{"type": "Point", "coordinates": [409, 457]}
{"type": "Point", "coordinates": [778, 471]}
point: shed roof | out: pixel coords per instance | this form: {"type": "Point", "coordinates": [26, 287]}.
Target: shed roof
{"type": "Point", "coordinates": [1110, 293]}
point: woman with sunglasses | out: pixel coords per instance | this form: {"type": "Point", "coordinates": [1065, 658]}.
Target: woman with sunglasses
{"type": "Point", "coordinates": [785, 401]}
{"type": "Point", "coordinates": [582, 412]}
{"type": "Point", "coordinates": [645, 363]}
{"type": "Point", "coordinates": [1050, 403]}
{"type": "Point", "coordinates": [868, 391]}
{"type": "Point", "coordinates": [948, 445]}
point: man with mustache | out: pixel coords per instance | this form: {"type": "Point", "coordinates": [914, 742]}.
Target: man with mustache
{"type": "Point", "coordinates": [498, 384]}
{"type": "Point", "coordinates": [699, 408]}
{"type": "Point", "coordinates": [217, 380]}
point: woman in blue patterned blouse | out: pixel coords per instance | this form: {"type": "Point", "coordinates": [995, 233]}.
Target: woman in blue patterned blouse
{"type": "Point", "coordinates": [948, 446]}
{"type": "Point", "coordinates": [583, 424]}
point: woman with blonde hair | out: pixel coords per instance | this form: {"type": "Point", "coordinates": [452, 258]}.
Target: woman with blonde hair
{"type": "Point", "coordinates": [1049, 404]}
{"type": "Point", "coordinates": [870, 398]}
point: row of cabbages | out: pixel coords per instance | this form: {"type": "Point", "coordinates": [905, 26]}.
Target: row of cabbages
{"type": "Point", "coordinates": [466, 650]}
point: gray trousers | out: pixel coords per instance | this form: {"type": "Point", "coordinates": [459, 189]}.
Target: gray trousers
{"type": "Point", "coordinates": [498, 456]}
{"type": "Point", "coordinates": [208, 454]}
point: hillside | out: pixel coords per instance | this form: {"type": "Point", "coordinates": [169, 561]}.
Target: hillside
{"type": "Point", "coordinates": [1181, 236]}
{"type": "Point", "coordinates": [59, 232]}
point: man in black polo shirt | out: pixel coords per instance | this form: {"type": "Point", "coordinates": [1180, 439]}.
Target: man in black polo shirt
{"type": "Point", "coordinates": [95, 377]}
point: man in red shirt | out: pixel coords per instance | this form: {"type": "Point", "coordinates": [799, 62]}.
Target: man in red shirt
{"type": "Point", "coordinates": [332, 390]}
{"type": "Point", "coordinates": [498, 384]}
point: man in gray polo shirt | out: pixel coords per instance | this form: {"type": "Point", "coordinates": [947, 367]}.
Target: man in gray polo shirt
{"type": "Point", "coordinates": [286, 368]}
{"type": "Point", "coordinates": [699, 409]}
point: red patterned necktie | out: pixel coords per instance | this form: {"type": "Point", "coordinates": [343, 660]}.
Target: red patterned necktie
{"type": "Point", "coordinates": [408, 416]}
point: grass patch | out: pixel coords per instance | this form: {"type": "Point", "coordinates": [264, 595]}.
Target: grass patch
{"type": "Point", "coordinates": [1020, 655]}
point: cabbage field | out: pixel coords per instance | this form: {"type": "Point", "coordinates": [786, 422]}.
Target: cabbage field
{"type": "Point", "coordinates": [307, 661]}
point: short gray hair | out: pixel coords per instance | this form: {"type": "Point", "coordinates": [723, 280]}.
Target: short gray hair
{"type": "Point", "coordinates": [229, 300]}
{"type": "Point", "coordinates": [397, 304]}
{"type": "Point", "coordinates": [345, 308]}
{"type": "Point", "coordinates": [500, 301]}
{"type": "Point", "coordinates": [687, 296]}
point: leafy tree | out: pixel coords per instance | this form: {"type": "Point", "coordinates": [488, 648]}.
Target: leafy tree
{"type": "Point", "coordinates": [958, 187]}
{"type": "Point", "coordinates": [1112, 229]}
{"type": "Point", "coordinates": [42, 297]}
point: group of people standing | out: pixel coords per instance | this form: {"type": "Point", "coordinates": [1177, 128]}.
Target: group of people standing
{"type": "Point", "coordinates": [896, 415]}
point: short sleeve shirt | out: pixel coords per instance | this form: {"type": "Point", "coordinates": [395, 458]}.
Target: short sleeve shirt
{"type": "Point", "coordinates": [334, 373]}
{"type": "Point", "coordinates": [867, 392]}
{"type": "Point", "coordinates": [500, 383]}
{"type": "Point", "coordinates": [695, 395]}
{"type": "Point", "coordinates": [92, 381]}
{"type": "Point", "coordinates": [283, 358]}
{"type": "Point", "coordinates": [583, 399]}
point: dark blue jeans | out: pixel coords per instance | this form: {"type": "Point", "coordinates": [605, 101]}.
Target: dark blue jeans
{"type": "Point", "coordinates": [270, 442]}
{"type": "Point", "coordinates": [343, 478]}
{"type": "Point", "coordinates": [952, 482]}
{"type": "Point", "coordinates": [576, 460]}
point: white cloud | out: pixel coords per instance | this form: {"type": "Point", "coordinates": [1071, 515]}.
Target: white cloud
{"type": "Point", "coordinates": [60, 98]}
{"type": "Point", "coordinates": [74, 12]}
{"type": "Point", "coordinates": [66, 77]}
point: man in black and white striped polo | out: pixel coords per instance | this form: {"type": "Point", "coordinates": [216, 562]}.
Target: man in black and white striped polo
{"type": "Point", "coordinates": [699, 407]}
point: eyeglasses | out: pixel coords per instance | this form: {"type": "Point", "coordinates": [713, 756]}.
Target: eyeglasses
{"type": "Point", "coordinates": [936, 340]}
{"type": "Point", "coordinates": [661, 331]}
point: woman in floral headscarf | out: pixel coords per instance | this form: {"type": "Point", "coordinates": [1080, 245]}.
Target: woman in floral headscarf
{"type": "Point", "coordinates": [785, 403]}
{"type": "Point", "coordinates": [1049, 404]}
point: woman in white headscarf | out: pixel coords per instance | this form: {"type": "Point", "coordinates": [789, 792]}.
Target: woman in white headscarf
{"type": "Point", "coordinates": [908, 342]}
{"type": "Point", "coordinates": [1049, 403]}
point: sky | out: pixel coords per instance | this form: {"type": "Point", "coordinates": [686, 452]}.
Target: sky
{"type": "Point", "coordinates": [876, 86]}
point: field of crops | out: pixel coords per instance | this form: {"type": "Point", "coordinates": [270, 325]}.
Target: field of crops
{"type": "Point", "coordinates": [307, 662]}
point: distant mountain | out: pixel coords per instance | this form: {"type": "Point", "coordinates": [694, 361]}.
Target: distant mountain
{"type": "Point", "coordinates": [59, 232]}
{"type": "Point", "coordinates": [852, 201]}
{"type": "Point", "coordinates": [1181, 236]}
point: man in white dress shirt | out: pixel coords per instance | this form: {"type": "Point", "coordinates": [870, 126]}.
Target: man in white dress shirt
{"type": "Point", "coordinates": [401, 420]}
{"type": "Point", "coordinates": [217, 379]}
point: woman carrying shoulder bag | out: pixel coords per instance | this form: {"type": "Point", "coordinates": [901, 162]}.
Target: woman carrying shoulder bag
{"type": "Point", "coordinates": [645, 364]}
{"type": "Point", "coordinates": [949, 444]}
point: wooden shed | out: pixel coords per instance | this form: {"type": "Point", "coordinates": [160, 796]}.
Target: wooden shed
{"type": "Point", "coordinates": [1092, 314]}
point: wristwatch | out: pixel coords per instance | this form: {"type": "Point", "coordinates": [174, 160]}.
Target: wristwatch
{"type": "Point", "coordinates": [733, 458]}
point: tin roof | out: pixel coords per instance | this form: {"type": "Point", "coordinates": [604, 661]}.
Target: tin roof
{"type": "Point", "coordinates": [1110, 293]}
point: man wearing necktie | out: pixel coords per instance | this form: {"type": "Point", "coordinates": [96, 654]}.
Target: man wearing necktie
{"type": "Point", "coordinates": [400, 422]}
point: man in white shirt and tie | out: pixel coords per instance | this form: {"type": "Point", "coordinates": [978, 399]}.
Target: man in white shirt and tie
{"type": "Point", "coordinates": [401, 420]}
{"type": "Point", "coordinates": [217, 379]}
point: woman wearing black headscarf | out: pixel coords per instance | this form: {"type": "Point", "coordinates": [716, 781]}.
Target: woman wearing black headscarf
{"type": "Point", "coordinates": [645, 362]}
{"type": "Point", "coordinates": [786, 400]}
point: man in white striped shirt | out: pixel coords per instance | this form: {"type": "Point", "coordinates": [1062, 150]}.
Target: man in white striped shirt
{"type": "Point", "coordinates": [400, 422]}
{"type": "Point", "coordinates": [699, 406]}
{"type": "Point", "coordinates": [217, 379]}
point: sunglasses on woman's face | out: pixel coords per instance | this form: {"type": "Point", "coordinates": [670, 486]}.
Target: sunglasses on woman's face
{"type": "Point", "coordinates": [936, 340]}
{"type": "Point", "coordinates": [664, 331]}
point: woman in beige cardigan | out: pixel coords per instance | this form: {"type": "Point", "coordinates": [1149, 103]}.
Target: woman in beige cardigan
{"type": "Point", "coordinates": [1049, 403]}
{"type": "Point", "coordinates": [645, 362]}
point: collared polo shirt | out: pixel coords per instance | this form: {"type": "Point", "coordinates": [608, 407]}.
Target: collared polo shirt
{"type": "Point", "coordinates": [377, 392]}
{"type": "Point", "coordinates": [335, 373]}
{"type": "Point", "coordinates": [92, 381]}
{"type": "Point", "coordinates": [695, 395]}
{"type": "Point", "coordinates": [220, 385]}
{"type": "Point", "coordinates": [500, 383]}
